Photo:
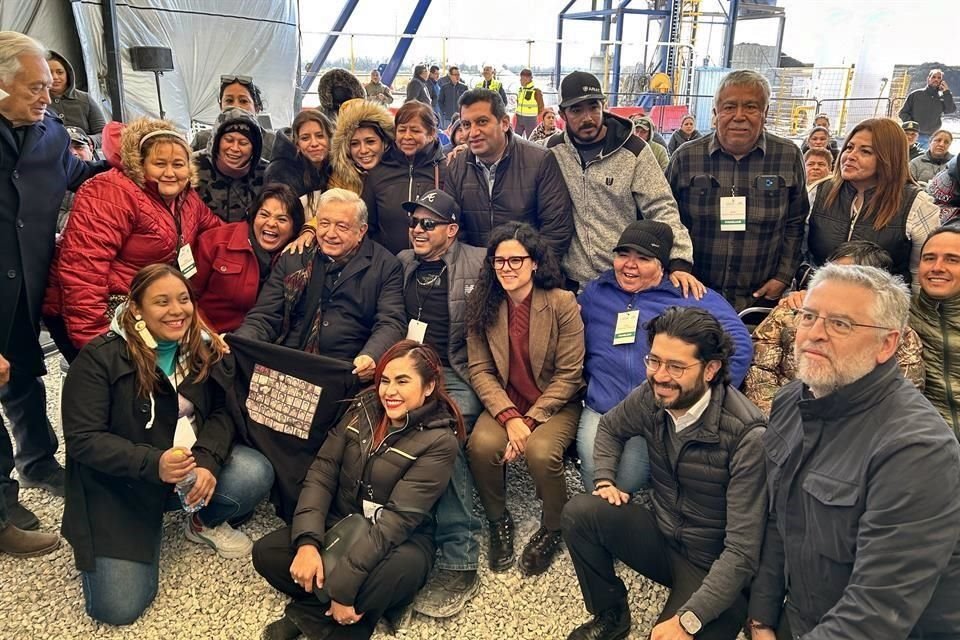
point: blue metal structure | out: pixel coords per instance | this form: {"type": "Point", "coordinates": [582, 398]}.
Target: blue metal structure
{"type": "Point", "coordinates": [390, 71]}
{"type": "Point", "coordinates": [604, 16]}
{"type": "Point", "coordinates": [669, 11]}
{"type": "Point", "coordinates": [321, 57]}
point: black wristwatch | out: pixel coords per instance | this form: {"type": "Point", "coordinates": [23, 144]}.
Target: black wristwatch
{"type": "Point", "coordinates": [690, 622]}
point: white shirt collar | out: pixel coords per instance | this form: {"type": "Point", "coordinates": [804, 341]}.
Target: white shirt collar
{"type": "Point", "coordinates": [693, 414]}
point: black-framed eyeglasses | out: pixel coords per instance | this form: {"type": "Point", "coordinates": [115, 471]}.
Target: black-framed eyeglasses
{"type": "Point", "coordinates": [515, 262]}
{"type": "Point", "coordinates": [674, 369]}
{"type": "Point", "coordinates": [228, 79]}
{"type": "Point", "coordinates": [427, 224]}
{"type": "Point", "coordinates": [835, 327]}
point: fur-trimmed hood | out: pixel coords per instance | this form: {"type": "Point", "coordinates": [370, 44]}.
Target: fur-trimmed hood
{"type": "Point", "coordinates": [336, 87]}
{"type": "Point", "coordinates": [132, 165]}
{"type": "Point", "coordinates": [345, 173]}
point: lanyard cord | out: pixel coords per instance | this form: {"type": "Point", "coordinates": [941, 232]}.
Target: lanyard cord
{"type": "Point", "coordinates": [430, 282]}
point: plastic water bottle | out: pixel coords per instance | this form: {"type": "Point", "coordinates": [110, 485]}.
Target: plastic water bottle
{"type": "Point", "coordinates": [183, 489]}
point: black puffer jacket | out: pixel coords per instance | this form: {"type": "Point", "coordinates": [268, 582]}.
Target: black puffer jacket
{"type": "Point", "coordinates": [689, 500]}
{"type": "Point", "coordinates": [529, 187]}
{"type": "Point", "coordinates": [407, 473]}
{"type": "Point", "coordinates": [291, 169]}
{"type": "Point", "coordinates": [394, 181]}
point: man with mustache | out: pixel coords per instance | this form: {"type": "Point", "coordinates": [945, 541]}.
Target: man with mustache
{"type": "Point", "coordinates": [614, 179]}
{"type": "Point", "coordinates": [703, 533]}
{"type": "Point", "coordinates": [741, 192]}
{"type": "Point", "coordinates": [504, 178]}
{"type": "Point", "coordinates": [863, 476]}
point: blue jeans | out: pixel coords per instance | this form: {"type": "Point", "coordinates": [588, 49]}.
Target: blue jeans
{"type": "Point", "coordinates": [633, 473]}
{"type": "Point", "coordinates": [118, 591]}
{"type": "Point", "coordinates": [457, 525]}
{"type": "Point", "coordinates": [923, 140]}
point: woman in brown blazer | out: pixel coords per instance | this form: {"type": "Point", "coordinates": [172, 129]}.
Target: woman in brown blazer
{"type": "Point", "coordinates": [525, 349]}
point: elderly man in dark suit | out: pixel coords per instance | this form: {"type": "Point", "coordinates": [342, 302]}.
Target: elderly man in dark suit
{"type": "Point", "coordinates": [36, 169]}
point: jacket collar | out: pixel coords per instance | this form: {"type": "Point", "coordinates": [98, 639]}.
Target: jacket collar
{"type": "Point", "coordinates": [360, 261]}
{"type": "Point", "coordinates": [708, 425]}
{"type": "Point", "coordinates": [609, 279]}
{"type": "Point", "coordinates": [855, 398]}
{"type": "Point", "coordinates": [34, 132]}
{"type": "Point", "coordinates": [950, 306]}
{"type": "Point", "coordinates": [240, 238]}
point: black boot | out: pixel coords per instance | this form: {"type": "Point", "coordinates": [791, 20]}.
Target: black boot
{"type": "Point", "coordinates": [500, 555]}
{"type": "Point", "coordinates": [609, 624]}
{"type": "Point", "coordinates": [282, 629]}
{"type": "Point", "coordinates": [539, 551]}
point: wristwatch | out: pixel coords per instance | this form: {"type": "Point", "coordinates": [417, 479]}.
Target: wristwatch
{"type": "Point", "coordinates": [690, 622]}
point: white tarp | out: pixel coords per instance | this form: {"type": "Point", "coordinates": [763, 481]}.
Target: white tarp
{"type": "Point", "coordinates": [208, 38]}
{"type": "Point", "coordinates": [49, 21]}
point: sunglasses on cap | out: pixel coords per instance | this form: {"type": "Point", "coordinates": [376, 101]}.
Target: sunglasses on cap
{"type": "Point", "coordinates": [244, 80]}
{"type": "Point", "coordinates": [426, 223]}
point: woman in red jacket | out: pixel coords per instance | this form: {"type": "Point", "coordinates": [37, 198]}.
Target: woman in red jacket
{"type": "Point", "coordinates": [235, 260]}
{"type": "Point", "coordinates": [144, 212]}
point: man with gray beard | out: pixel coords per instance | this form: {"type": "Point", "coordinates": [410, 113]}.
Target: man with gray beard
{"type": "Point", "coordinates": [864, 480]}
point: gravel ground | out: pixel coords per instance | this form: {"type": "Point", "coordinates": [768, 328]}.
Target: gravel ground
{"type": "Point", "coordinates": [204, 596]}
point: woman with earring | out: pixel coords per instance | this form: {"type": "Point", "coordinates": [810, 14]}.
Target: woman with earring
{"type": "Point", "coordinates": [144, 212]}
{"type": "Point", "coordinates": [145, 408]}
{"type": "Point", "coordinates": [525, 350]}
{"type": "Point", "coordinates": [389, 459]}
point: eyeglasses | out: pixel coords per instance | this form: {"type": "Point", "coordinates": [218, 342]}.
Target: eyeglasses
{"type": "Point", "coordinates": [674, 369]}
{"type": "Point", "coordinates": [244, 80]}
{"type": "Point", "coordinates": [515, 262]}
{"type": "Point", "coordinates": [426, 223]}
{"type": "Point", "coordinates": [835, 327]}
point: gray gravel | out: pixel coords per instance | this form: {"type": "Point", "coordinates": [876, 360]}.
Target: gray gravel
{"type": "Point", "coordinates": [204, 596]}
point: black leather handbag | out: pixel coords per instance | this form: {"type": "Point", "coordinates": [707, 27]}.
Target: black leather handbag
{"type": "Point", "coordinates": [336, 543]}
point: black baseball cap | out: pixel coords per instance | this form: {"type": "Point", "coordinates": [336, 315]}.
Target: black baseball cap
{"type": "Point", "coordinates": [437, 201]}
{"type": "Point", "coordinates": [579, 86]}
{"type": "Point", "coordinates": [78, 135]}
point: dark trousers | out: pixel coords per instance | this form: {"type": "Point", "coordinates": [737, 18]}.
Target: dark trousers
{"type": "Point", "coordinates": [598, 533]}
{"type": "Point", "coordinates": [391, 585]}
{"type": "Point", "coordinates": [24, 400]}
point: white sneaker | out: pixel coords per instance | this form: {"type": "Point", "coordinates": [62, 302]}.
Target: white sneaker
{"type": "Point", "coordinates": [224, 539]}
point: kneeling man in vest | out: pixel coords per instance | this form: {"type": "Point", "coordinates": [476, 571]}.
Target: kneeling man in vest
{"type": "Point", "coordinates": [701, 534]}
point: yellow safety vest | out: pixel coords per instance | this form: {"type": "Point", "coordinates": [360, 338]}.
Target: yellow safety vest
{"type": "Point", "coordinates": [494, 85]}
{"type": "Point", "coordinates": [527, 100]}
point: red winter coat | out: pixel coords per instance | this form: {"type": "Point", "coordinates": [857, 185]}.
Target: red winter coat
{"type": "Point", "coordinates": [228, 276]}
{"type": "Point", "coordinates": [114, 230]}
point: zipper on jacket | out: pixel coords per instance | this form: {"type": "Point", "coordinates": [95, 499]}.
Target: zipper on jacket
{"type": "Point", "coordinates": [946, 367]}
{"type": "Point", "coordinates": [410, 182]}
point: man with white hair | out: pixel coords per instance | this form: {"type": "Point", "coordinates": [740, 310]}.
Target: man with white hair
{"type": "Point", "coordinates": [36, 169]}
{"type": "Point", "coordinates": [342, 298]}
{"type": "Point", "coordinates": [863, 476]}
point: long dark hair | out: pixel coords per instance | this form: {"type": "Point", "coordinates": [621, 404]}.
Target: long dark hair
{"type": "Point", "coordinates": [201, 355]}
{"type": "Point", "coordinates": [302, 118]}
{"type": "Point", "coordinates": [483, 305]}
{"type": "Point", "coordinates": [427, 364]}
